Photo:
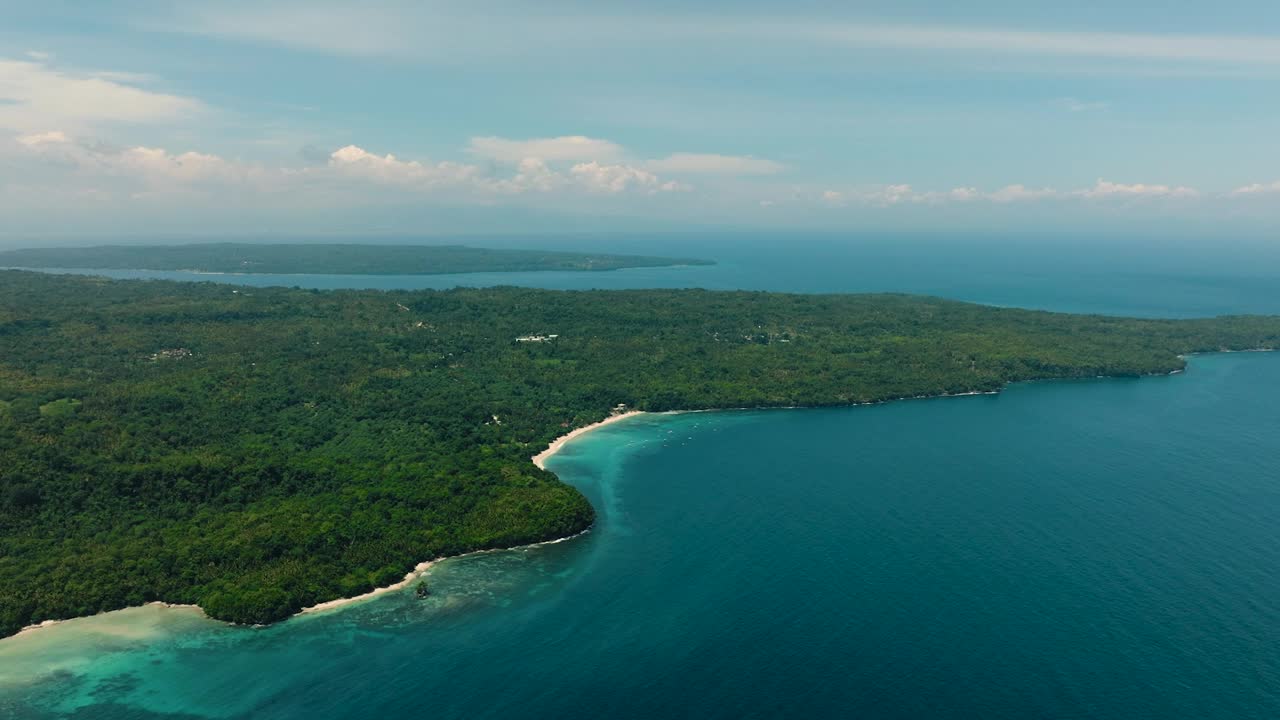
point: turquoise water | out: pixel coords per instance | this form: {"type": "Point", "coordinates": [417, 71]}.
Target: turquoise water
{"type": "Point", "coordinates": [1099, 549]}
{"type": "Point", "coordinates": [1095, 549]}
{"type": "Point", "coordinates": [1120, 276]}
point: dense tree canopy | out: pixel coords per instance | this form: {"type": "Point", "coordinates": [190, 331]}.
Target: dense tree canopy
{"type": "Point", "coordinates": [260, 450]}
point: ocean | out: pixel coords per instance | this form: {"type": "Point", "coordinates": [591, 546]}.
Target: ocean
{"type": "Point", "coordinates": [1085, 549]}
{"type": "Point", "coordinates": [1145, 277]}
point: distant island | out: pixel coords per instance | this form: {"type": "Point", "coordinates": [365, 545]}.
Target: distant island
{"type": "Point", "coordinates": [258, 451]}
{"type": "Point", "coordinates": [336, 259]}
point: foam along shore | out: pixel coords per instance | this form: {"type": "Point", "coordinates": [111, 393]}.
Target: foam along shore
{"type": "Point", "coordinates": [421, 568]}
{"type": "Point", "coordinates": [154, 604]}
{"type": "Point", "coordinates": [539, 460]}
{"type": "Point", "coordinates": [414, 574]}
{"type": "Point", "coordinates": [558, 444]}
{"type": "Point", "coordinates": [68, 645]}
{"type": "Point", "coordinates": [332, 604]}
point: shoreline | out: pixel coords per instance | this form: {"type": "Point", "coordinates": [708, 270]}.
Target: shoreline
{"type": "Point", "coordinates": [558, 444]}
{"type": "Point", "coordinates": [409, 577]}
{"type": "Point", "coordinates": [154, 603]}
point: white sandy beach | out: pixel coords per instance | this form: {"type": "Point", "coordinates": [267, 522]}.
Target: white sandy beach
{"type": "Point", "coordinates": [541, 458]}
{"type": "Point", "coordinates": [330, 605]}
{"type": "Point", "coordinates": [538, 460]}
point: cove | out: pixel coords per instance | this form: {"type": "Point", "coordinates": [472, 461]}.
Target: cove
{"type": "Point", "coordinates": [1101, 548]}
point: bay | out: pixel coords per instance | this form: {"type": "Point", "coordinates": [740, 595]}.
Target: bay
{"type": "Point", "coordinates": [1099, 549]}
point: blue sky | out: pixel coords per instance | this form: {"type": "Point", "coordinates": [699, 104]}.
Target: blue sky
{"type": "Point", "coordinates": [432, 117]}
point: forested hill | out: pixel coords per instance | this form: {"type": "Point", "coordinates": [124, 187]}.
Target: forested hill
{"type": "Point", "coordinates": [256, 451]}
{"type": "Point", "coordinates": [324, 259]}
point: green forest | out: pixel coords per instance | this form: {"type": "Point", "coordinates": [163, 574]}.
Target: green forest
{"type": "Point", "coordinates": [256, 451]}
{"type": "Point", "coordinates": [340, 259]}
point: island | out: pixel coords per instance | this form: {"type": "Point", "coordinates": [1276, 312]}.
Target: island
{"type": "Point", "coordinates": [259, 451]}
{"type": "Point", "coordinates": [325, 259]}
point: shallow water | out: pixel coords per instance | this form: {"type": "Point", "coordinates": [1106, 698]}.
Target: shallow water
{"type": "Point", "coordinates": [1101, 549]}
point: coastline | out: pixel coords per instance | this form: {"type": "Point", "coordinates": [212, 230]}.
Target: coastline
{"type": "Point", "coordinates": [414, 574]}
{"type": "Point", "coordinates": [340, 602]}
{"type": "Point", "coordinates": [540, 461]}
{"type": "Point", "coordinates": [155, 603]}
{"type": "Point", "coordinates": [556, 445]}
{"type": "Point", "coordinates": [337, 603]}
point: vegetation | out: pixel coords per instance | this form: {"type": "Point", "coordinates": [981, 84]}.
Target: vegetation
{"type": "Point", "coordinates": [257, 451]}
{"type": "Point", "coordinates": [324, 259]}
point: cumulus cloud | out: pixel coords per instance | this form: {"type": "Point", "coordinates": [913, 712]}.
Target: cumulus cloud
{"type": "Point", "coordinates": [903, 194]}
{"type": "Point", "coordinates": [613, 179]}
{"type": "Point", "coordinates": [357, 162]}
{"type": "Point", "coordinates": [891, 195]}
{"type": "Point", "coordinates": [713, 164]}
{"type": "Point", "coordinates": [1019, 192]}
{"type": "Point", "coordinates": [1258, 189]}
{"type": "Point", "coordinates": [564, 148]}
{"type": "Point", "coordinates": [38, 97]}
{"type": "Point", "coordinates": [62, 163]}
{"type": "Point", "coordinates": [51, 137]}
{"type": "Point", "coordinates": [1106, 188]}
{"type": "Point", "coordinates": [960, 194]}
{"type": "Point", "coordinates": [532, 175]}
{"type": "Point", "coordinates": [138, 169]}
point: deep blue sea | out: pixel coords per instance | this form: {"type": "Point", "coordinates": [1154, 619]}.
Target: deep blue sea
{"type": "Point", "coordinates": [1089, 549]}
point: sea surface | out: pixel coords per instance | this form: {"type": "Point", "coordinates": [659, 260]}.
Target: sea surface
{"type": "Point", "coordinates": [1089, 549]}
{"type": "Point", "coordinates": [1144, 277]}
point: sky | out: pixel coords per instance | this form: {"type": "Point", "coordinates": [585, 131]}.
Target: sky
{"type": "Point", "coordinates": [424, 117]}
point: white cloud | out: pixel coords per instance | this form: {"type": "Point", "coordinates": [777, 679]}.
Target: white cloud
{"type": "Point", "coordinates": [447, 32]}
{"type": "Point", "coordinates": [960, 194]}
{"type": "Point", "coordinates": [565, 148]}
{"type": "Point", "coordinates": [60, 167]}
{"type": "Point", "coordinates": [613, 179]}
{"type": "Point", "coordinates": [712, 164]}
{"type": "Point", "coordinates": [63, 160]}
{"type": "Point", "coordinates": [532, 175]}
{"type": "Point", "coordinates": [1106, 189]}
{"type": "Point", "coordinates": [39, 56]}
{"type": "Point", "coordinates": [1019, 193]}
{"type": "Point", "coordinates": [891, 195]}
{"type": "Point", "coordinates": [38, 97]}
{"type": "Point", "coordinates": [903, 194]}
{"type": "Point", "coordinates": [1214, 48]}
{"type": "Point", "coordinates": [1258, 189]}
{"type": "Point", "coordinates": [141, 166]}
{"type": "Point", "coordinates": [52, 137]}
{"type": "Point", "coordinates": [357, 162]}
